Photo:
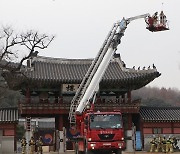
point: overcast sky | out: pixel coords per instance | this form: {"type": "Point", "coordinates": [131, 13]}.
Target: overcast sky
{"type": "Point", "coordinates": [81, 26]}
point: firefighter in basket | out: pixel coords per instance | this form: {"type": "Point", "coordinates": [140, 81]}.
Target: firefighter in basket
{"type": "Point", "coordinates": [157, 22]}
{"type": "Point", "coordinates": [162, 18]}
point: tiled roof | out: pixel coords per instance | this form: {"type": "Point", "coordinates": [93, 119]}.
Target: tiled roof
{"type": "Point", "coordinates": [160, 113]}
{"type": "Point", "coordinates": [8, 115]}
{"type": "Point", "coordinates": [73, 70]}
{"type": "Point", "coordinates": [56, 71]}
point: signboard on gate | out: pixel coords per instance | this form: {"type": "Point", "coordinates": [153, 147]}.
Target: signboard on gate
{"type": "Point", "coordinates": [69, 88]}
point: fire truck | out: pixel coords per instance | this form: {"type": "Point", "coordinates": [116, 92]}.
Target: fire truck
{"type": "Point", "coordinates": [100, 132]}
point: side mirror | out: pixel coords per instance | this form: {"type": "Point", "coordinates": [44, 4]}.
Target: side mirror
{"type": "Point", "coordinates": [92, 118]}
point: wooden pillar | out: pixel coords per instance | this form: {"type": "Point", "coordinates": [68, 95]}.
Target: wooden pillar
{"type": "Point", "coordinates": [123, 98]}
{"type": "Point", "coordinates": [58, 126]}
{"type": "Point", "coordinates": [15, 137]}
{"type": "Point", "coordinates": [172, 127]}
{"type": "Point", "coordinates": [142, 132]}
{"type": "Point", "coordinates": [129, 121]}
{"type": "Point", "coordinates": [59, 122]}
{"type": "Point", "coordinates": [28, 96]}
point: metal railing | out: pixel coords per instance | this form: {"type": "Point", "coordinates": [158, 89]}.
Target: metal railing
{"type": "Point", "coordinates": [65, 103]}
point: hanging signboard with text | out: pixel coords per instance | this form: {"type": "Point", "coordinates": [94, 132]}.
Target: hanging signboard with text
{"type": "Point", "coordinates": [69, 88]}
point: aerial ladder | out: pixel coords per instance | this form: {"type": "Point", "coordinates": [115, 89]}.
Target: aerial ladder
{"type": "Point", "coordinates": [90, 82]}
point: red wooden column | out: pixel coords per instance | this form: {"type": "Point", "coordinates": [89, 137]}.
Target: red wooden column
{"type": "Point", "coordinates": [172, 127]}
{"type": "Point", "coordinates": [59, 122]}
{"type": "Point", "coordinates": [129, 121]}
{"type": "Point", "coordinates": [15, 137]}
{"type": "Point", "coordinates": [28, 96]}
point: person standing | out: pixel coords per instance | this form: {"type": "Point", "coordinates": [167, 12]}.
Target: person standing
{"type": "Point", "coordinates": [168, 145]}
{"type": "Point", "coordinates": [164, 144]}
{"type": "Point", "coordinates": [32, 145]}
{"type": "Point", "coordinates": [171, 148]}
{"type": "Point", "coordinates": [23, 145]}
{"type": "Point", "coordinates": [155, 19]}
{"type": "Point", "coordinates": [39, 145]}
{"type": "Point", "coordinates": [153, 145]}
{"type": "Point", "coordinates": [162, 19]}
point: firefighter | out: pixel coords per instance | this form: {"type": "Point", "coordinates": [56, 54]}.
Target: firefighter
{"type": "Point", "coordinates": [32, 145]}
{"type": "Point", "coordinates": [149, 21]}
{"type": "Point", "coordinates": [171, 149]}
{"type": "Point", "coordinates": [23, 145]}
{"type": "Point", "coordinates": [162, 18]}
{"type": "Point", "coordinates": [168, 145]}
{"type": "Point", "coordinates": [159, 144]}
{"type": "Point", "coordinates": [174, 142]}
{"type": "Point", "coordinates": [153, 145]}
{"type": "Point", "coordinates": [39, 145]}
{"type": "Point", "coordinates": [164, 144]}
{"type": "Point", "coordinates": [155, 18]}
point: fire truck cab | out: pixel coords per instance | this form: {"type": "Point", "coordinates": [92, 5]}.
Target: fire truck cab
{"type": "Point", "coordinates": [102, 132]}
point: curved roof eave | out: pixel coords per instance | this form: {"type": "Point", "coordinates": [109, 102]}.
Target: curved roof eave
{"type": "Point", "coordinates": [59, 70]}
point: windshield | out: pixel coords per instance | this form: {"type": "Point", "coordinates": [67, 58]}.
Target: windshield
{"type": "Point", "coordinates": [102, 121]}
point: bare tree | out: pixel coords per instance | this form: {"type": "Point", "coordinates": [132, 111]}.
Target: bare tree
{"type": "Point", "coordinates": [32, 40]}
{"type": "Point", "coordinates": [11, 44]}
{"type": "Point", "coordinates": [15, 48]}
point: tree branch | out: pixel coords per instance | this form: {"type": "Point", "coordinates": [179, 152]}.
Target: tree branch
{"type": "Point", "coordinates": [30, 41]}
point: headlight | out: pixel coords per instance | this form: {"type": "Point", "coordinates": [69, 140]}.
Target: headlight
{"type": "Point", "coordinates": [92, 145]}
{"type": "Point", "coordinates": [120, 145]}
{"type": "Point", "coordinates": [122, 138]}
{"type": "Point", "coordinates": [89, 139]}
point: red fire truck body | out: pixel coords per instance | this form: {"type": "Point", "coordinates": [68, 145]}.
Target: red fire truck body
{"type": "Point", "coordinates": [100, 131]}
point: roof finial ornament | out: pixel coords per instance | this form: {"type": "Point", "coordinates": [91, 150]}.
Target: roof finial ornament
{"type": "Point", "coordinates": [154, 67]}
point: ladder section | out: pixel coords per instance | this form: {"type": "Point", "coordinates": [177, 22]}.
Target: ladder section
{"type": "Point", "coordinates": [90, 73]}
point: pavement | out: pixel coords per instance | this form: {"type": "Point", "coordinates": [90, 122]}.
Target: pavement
{"type": "Point", "coordinates": [136, 152]}
{"type": "Point", "coordinates": [124, 152]}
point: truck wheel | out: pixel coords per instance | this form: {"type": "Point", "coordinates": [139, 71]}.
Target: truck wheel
{"type": "Point", "coordinates": [77, 149]}
{"type": "Point", "coordinates": [119, 151]}
{"type": "Point", "coordinates": [87, 151]}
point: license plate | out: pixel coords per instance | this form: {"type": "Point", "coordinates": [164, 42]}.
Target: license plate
{"type": "Point", "coordinates": [107, 144]}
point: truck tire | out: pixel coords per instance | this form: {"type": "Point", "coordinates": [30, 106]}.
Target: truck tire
{"type": "Point", "coordinates": [119, 151]}
{"type": "Point", "coordinates": [77, 149]}
{"type": "Point", "coordinates": [87, 151]}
